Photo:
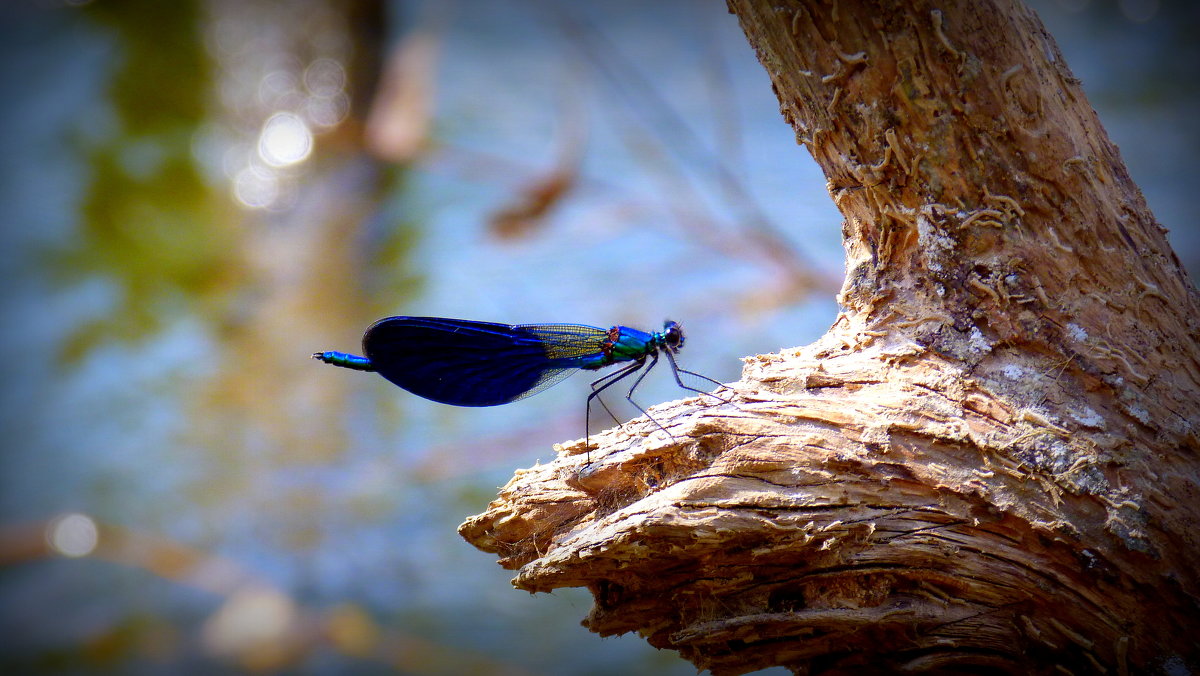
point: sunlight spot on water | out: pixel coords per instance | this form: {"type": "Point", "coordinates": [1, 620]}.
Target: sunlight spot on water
{"type": "Point", "coordinates": [327, 112]}
{"type": "Point", "coordinates": [279, 89]}
{"type": "Point", "coordinates": [326, 104]}
{"type": "Point", "coordinates": [255, 623]}
{"type": "Point", "coordinates": [73, 535]}
{"type": "Point", "coordinates": [256, 187]}
{"type": "Point", "coordinates": [285, 140]}
{"type": "Point", "coordinates": [325, 78]}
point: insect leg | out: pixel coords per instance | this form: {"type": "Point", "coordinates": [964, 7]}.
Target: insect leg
{"type": "Point", "coordinates": [598, 386]}
{"type": "Point", "coordinates": [675, 371]}
{"type": "Point", "coordinates": [607, 379]}
{"type": "Point", "coordinates": [629, 397]}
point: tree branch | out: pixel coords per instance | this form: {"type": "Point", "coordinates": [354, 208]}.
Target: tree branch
{"type": "Point", "coordinates": [989, 462]}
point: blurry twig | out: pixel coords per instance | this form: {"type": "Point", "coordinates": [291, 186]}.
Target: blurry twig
{"type": "Point", "coordinates": [727, 123]}
{"type": "Point", "coordinates": [538, 197]}
{"type": "Point", "coordinates": [400, 118]}
{"type": "Point", "coordinates": [671, 130]}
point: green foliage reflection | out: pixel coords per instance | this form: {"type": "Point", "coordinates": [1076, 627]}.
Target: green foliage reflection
{"type": "Point", "coordinates": [150, 223]}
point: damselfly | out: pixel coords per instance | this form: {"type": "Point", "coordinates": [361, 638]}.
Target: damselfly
{"type": "Point", "coordinates": [469, 363]}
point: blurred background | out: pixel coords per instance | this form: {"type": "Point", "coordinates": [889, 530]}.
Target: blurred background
{"type": "Point", "coordinates": [197, 195]}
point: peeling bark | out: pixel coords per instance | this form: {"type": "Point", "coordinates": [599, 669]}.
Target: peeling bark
{"type": "Point", "coordinates": [989, 462]}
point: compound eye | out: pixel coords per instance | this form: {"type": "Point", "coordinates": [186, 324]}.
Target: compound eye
{"type": "Point", "coordinates": [674, 335]}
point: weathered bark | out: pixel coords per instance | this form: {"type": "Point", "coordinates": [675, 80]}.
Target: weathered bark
{"type": "Point", "coordinates": [989, 462]}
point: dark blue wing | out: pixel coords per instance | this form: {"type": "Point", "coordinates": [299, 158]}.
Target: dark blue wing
{"type": "Point", "coordinates": [469, 363]}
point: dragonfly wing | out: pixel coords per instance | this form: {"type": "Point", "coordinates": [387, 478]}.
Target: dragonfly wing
{"type": "Point", "coordinates": [573, 345]}
{"type": "Point", "coordinates": [461, 362]}
{"type": "Point", "coordinates": [568, 347]}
